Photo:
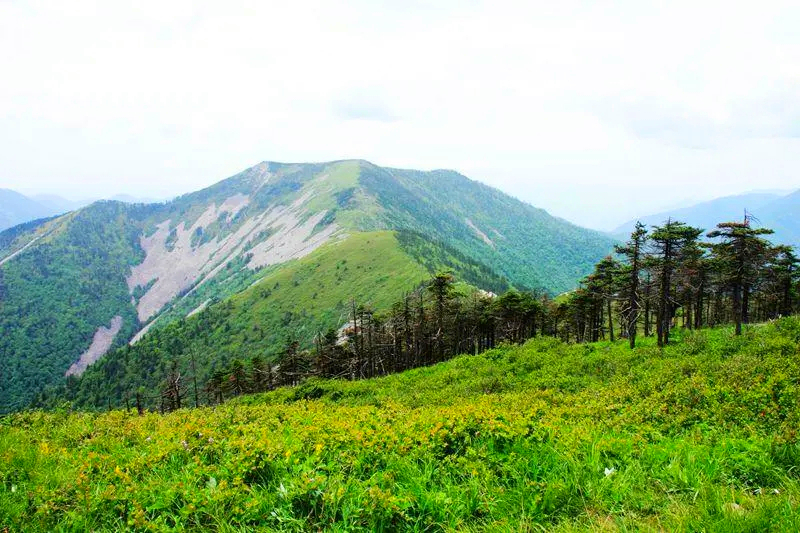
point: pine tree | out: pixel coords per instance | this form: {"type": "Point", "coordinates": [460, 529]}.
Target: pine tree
{"type": "Point", "coordinates": [667, 243]}
{"type": "Point", "coordinates": [441, 287]}
{"type": "Point", "coordinates": [633, 251]}
{"type": "Point", "coordinates": [237, 378]}
{"type": "Point", "coordinates": [606, 274]}
{"type": "Point", "coordinates": [741, 253]}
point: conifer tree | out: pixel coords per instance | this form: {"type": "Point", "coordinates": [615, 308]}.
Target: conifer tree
{"type": "Point", "coordinates": [441, 287]}
{"type": "Point", "coordinates": [741, 253]}
{"type": "Point", "coordinates": [668, 241]}
{"type": "Point", "coordinates": [606, 274]}
{"type": "Point", "coordinates": [633, 251]}
{"type": "Point", "coordinates": [784, 271]}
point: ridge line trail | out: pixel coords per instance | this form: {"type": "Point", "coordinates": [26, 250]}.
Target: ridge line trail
{"type": "Point", "coordinates": [15, 254]}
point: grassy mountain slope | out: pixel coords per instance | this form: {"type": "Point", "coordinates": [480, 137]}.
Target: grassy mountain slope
{"type": "Point", "coordinates": [701, 436]}
{"type": "Point", "coordinates": [528, 246]}
{"type": "Point", "coordinates": [151, 265]}
{"type": "Point", "coordinates": [297, 301]}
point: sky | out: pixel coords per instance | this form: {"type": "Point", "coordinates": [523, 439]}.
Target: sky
{"type": "Point", "coordinates": [595, 111]}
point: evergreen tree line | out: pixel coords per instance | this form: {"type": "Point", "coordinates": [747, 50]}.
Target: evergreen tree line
{"type": "Point", "coordinates": [659, 279]}
{"type": "Point", "coordinates": [668, 277]}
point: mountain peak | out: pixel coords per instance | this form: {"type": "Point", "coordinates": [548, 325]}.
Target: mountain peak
{"type": "Point", "coordinates": [152, 264]}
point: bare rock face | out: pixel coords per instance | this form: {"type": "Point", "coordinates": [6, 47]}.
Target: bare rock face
{"type": "Point", "coordinates": [103, 339]}
{"type": "Point", "coordinates": [485, 238]}
{"type": "Point", "coordinates": [175, 263]}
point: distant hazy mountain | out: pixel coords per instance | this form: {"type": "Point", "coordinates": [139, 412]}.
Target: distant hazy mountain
{"type": "Point", "coordinates": [16, 208]}
{"type": "Point", "coordinates": [781, 212]}
{"type": "Point", "coordinates": [58, 204]}
{"type": "Point", "coordinates": [305, 238]}
{"type": "Point", "coordinates": [782, 215]}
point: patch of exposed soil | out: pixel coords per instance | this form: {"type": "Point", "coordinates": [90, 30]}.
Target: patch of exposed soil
{"type": "Point", "coordinates": [103, 339]}
{"type": "Point", "coordinates": [183, 267]}
{"type": "Point", "coordinates": [481, 234]}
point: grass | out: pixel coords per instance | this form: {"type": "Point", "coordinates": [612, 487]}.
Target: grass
{"type": "Point", "coordinates": [369, 267]}
{"type": "Point", "coordinates": [338, 176]}
{"type": "Point", "coordinates": [701, 436]}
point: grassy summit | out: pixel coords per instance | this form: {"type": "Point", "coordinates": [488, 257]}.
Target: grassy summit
{"type": "Point", "coordinates": [699, 436]}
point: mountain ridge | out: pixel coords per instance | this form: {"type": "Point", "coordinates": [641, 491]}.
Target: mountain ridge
{"type": "Point", "coordinates": [156, 263]}
{"type": "Point", "coordinates": [769, 209]}
{"type": "Point", "coordinates": [17, 208]}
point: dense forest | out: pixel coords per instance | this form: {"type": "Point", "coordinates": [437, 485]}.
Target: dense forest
{"type": "Point", "coordinates": [660, 279]}
{"type": "Point", "coordinates": [45, 324]}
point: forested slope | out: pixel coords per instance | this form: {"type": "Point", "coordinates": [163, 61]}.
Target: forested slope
{"type": "Point", "coordinates": [530, 247]}
{"type": "Point", "coordinates": [151, 265]}
{"type": "Point", "coordinates": [46, 324]}
{"type": "Point", "coordinates": [305, 298]}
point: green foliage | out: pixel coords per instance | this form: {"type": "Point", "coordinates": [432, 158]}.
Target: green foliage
{"type": "Point", "coordinates": [172, 238]}
{"type": "Point", "coordinates": [527, 245]}
{"type": "Point", "coordinates": [7, 237]}
{"type": "Point", "coordinates": [699, 436]}
{"type": "Point", "coordinates": [302, 298]}
{"type": "Point", "coordinates": [79, 284]}
{"type": "Point", "coordinates": [435, 255]}
{"type": "Point", "coordinates": [55, 295]}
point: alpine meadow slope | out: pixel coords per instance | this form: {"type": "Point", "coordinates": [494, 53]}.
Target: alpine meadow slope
{"type": "Point", "coordinates": [698, 436]}
{"type": "Point", "coordinates": [76, 285]}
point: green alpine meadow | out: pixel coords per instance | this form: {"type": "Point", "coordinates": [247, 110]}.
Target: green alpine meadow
{"type": "Point", "coordinates": [399, 267]}
{"type": "Point", "coordinates": [545, 436]}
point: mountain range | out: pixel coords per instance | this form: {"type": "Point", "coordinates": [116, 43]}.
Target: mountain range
{"type": "Point", "coordinates": [278, 249]}
{"type": "Point", "coordinates": [777, 211]}
{"type": "Point", "coordinates": [17, 208]}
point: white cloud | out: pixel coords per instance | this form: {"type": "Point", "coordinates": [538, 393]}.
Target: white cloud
{"type": "Point", "coordinates": [580, 107]}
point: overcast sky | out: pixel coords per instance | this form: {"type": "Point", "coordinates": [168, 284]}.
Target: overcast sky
{"type": "Point", "coordinates": [595, 111]}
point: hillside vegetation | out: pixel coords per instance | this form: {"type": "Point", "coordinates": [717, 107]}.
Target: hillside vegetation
{"type": "Point", "coordinates": [65, 280]}
{"type": "Point", "coordinates": [263, 338]}
{"type": "Point", "coordinates": [45, 326]}
{"type": "Point", "coordinates": [293, 303]}
{"type": "Point", "coordinates": [525, 244]}
{"type": "Point", "coordinates": [698, 436]}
